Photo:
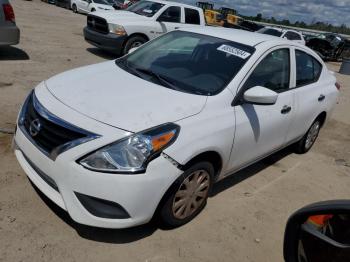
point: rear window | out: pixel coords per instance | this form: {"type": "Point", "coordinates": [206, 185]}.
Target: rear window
{"type": "Point", "coordinates": [270, 31]}
{"type": "Point", "coordinates": [192, 16]}
{"type": "Point", "coordinates": [308, 68]}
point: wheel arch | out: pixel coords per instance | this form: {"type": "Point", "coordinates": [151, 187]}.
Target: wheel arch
{"type": "Point", "coordinates": [211, 156]}
{"type": "Point", "coordinates": [322, 117]}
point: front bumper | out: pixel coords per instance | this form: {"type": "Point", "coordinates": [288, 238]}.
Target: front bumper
{"type": "Point", "coordinates": [63, 180]}
{"type": "Point", "coordinates": [110, 42]}
{"type": "Point", "coordinates": [9, 34]}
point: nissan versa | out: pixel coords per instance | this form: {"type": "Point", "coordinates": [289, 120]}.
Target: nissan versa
{"type": "Point", "coordinates": [116, 143]}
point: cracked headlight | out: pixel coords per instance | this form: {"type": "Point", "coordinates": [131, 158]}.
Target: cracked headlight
{"type": "Point", "coordinates": [132, 154]}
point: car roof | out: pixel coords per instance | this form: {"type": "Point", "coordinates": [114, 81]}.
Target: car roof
{"type": "Point", "coordinates": [236, 35]}
{"type": "Point", "coordinates": [175, 3]}
{"type": "Point", "coordinates": [283, 29]}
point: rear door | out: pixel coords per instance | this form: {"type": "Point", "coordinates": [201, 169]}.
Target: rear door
{"type": "Point", "coordinates": [262, 129]}
{"type": "Point", "coordinates": [310, 93]}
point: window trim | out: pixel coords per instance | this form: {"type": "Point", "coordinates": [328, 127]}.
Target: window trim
{"type": "Point", "coordinates": [295, 67]}
{"type": "Point", "coordinates": [240, 90]}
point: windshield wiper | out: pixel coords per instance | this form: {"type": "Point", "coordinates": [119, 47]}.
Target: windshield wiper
{"type": "Point", "coordinates": [161, 79]}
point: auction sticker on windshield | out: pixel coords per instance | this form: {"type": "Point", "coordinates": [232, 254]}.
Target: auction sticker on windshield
{"type": "Point", "coordinates": [234, 51]}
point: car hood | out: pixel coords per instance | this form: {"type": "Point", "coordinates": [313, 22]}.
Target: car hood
{"type": "Point", "coordinates": [110, 95]}
{"type": "Point", "coordinates": [120, 17]}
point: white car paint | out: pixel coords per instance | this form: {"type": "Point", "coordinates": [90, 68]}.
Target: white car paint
{"type": "Point", "coordinates": [287, 34]}
{"type": "Point", "coordinates": [105, 100]}
{"type": "Point", "coordinates": [149, 26]}
{"type": "Point", "coordinates": [86, 6]}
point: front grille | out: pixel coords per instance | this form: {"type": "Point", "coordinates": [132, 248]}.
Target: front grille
{"type": "Point", "coordinates": [50, 135]}
{"type": "Point", "coordinates": [97, 24]}
{"type": "Point", "coordinates": [47, 132]}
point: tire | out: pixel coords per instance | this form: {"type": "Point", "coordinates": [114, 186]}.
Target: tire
{"type": "Point", "coordinates": [186, 199]}
{"type": "Point", "coordinates": [308, 140]}
{"type": "Point", "coordinates": [93, 10]}
{"type": "Point", "coordinates": [132, 42]}
{"type": "Point", "coordinates": [74, 8]}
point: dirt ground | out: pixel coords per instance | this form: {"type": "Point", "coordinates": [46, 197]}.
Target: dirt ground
{"type": "Point", "coordinates": [244, 219]}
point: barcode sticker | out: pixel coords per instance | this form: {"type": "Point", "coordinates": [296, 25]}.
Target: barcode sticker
{"type": "Point", "coordinates": [234, 51]}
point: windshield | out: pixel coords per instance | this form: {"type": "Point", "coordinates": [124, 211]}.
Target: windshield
{"type": "Point", "coordinates": [104, 2]}
{"type": "Point", "coordinates": [188, 62]}
{"type": "Point", "coordinates": [145, 8]}
{"type": "Point", "coordinates": [270, 31]}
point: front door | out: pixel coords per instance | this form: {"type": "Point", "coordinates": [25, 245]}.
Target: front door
{"type": "Point", "coordinates": [168, 21]}
{"type": "Point", "coordinates": [262, 129]}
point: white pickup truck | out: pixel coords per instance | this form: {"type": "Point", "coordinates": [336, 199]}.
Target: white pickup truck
{"type": "Point", "coordinates": [120, 31]}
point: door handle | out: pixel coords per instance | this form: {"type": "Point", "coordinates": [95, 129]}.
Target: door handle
{"type": "Point", "coordinates": [177, 28]}
{"type": "Point", "coordinates": [286, 109]}
{"type": "Point", "coordinates": [321, 98]}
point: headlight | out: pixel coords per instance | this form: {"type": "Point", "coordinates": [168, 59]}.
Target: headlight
{"type": "Point", "coordinates": [133, 153]}
{"type": "Point", "coordinates": [116, 29]}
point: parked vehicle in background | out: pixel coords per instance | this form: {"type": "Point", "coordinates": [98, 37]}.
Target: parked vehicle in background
{"type": "Point", "coordinates": [9, 32]}
{"type": "Point", "coordinates": [49, 1]}
{"type": "Point", "coordinates": [87, 6]}
{"type": "Point", "coordinates": [214, 18]}
{"type": "Point", "coordinates": [124, 4]}
{"type": "Point", "coordinates": [63, 3]}
{"type": "Point", "coordinates": [119, 31]}
{"type": "Point", "coordinates": [283, 33]}
{"type": "Point", "coordinates": [330, 46]}
{"type": "Point", "coordinates": [112, 143]}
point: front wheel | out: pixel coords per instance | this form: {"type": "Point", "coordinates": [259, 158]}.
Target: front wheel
{"type": "Point", "coordinates": [308, 140]}
{"type": "Point", "coordinates": [93, 9]}
{"type": "Point", "coordinates": [188, 195]}
{"type": "Point", "coordinates": [74, 8]}
{"type": "Point", "coordinates": [133, 42]}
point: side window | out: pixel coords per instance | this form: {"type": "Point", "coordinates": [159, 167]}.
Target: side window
{"type": "Point", "coordinates": [273, 72]}
{"type": "Point", "coordinates": [192, 17]}
{"type": "Point", "coordinates": [171, 15]}
{"type": "Point", "coordinates": [292, 36]}
{"type": "Point", "coordinates": [308, 69]}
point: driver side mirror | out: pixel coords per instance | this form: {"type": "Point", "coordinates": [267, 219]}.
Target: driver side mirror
{"type": "Point", "coordinates": [260, 95]}
{"type": "Point", "coordinates": [319, 232]}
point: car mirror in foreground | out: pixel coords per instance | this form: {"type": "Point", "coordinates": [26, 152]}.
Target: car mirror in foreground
{"type": "Point", "coordinates": [319, 232]}
{"type": "Point", "coordinates": [260, 95]}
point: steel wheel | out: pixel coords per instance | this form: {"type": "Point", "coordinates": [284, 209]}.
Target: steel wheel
{"type": "Point", "coordinates": [312, 135]}
{"type": "Point", "coordinates": [136, 44]}
{"type": "Point", "coordinates": [191, 194]}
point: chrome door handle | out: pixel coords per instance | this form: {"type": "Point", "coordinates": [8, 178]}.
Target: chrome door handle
{"type": "Point", "coordinates": [286, 109]}
{"type": "Point", "coordinates": [321, 98]}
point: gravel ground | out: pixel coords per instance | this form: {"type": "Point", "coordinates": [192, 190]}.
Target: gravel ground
{"type": "Point", "coordinates": [243, 221]}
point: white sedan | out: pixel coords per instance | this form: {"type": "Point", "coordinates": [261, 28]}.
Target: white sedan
{"type": "Point", "coordinates": [149, 134]}
{"type": "Point", "coordinates": [87, 6]}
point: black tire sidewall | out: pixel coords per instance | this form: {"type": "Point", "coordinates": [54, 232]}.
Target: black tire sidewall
{"type": "Point", "coordinates": [74, 8]}
{"type": "Point", "coordinates": [301, 145]}
{"type": "Point", "coordinates": [132, 40]}
{"type": "Point", "coordinates": [166, 213]}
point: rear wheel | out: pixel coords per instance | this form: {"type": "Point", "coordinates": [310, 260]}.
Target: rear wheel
{"type": "Point", "coordinates": [93, 9]}
{"type": "Point", "coordinates": [132, 42]}
{"type": "Point", "coordinates": [308, 140]}
{"type": "Point", "coordinates": [188, 195]}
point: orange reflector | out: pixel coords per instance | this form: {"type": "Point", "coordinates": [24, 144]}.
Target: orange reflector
{"type": "Point", "coordinates": [159, 142]}
{"type": "Point", "coordinates": [320, 220]}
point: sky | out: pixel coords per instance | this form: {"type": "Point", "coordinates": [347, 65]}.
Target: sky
{"type": "Point", "coordinates": [336, 12]}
